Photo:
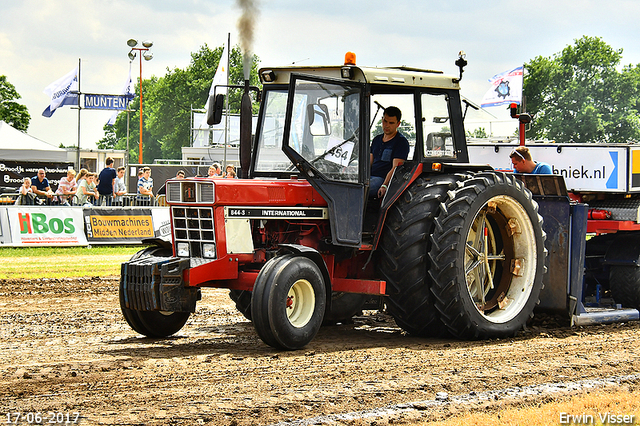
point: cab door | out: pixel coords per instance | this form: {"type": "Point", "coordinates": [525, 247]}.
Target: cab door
{"type": "Point", "coordinates": [327, 139]}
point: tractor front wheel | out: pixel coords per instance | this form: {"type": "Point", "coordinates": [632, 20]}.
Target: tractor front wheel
{"type": "Point", "coordinates": [288, 302]}
{"type": "Point", "coordinates": [152, 323]}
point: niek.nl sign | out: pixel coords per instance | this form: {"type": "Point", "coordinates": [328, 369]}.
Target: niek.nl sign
{"type": "Point", "coordinates": [112, 102]}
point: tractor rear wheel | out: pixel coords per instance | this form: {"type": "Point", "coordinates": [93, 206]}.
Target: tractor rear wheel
{"type": "Point", "coordinates": [404, 246]}
{"type": "Point", "coordinates": [625, 285]}
{"type": "Point", "coordinates": [152, 323]}
{"type": "Point", "coordinates": [487, 257]}
{"type": "Point", "coordinates": [288, 302]}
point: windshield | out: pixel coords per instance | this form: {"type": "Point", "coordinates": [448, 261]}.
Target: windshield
{"type": "Point", "coordinates": [438, 139]}
{"type": "Point", "coordinates": [269, 155]}
{"type": "Point", "coordinates": [325, 128]}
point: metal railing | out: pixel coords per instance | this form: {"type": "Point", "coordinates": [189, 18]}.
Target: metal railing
{"type": "Point", "coordinates": [126, 200]}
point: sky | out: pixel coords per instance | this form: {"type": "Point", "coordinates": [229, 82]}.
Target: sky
{"type": "Point", "coordinates": [40, 41]}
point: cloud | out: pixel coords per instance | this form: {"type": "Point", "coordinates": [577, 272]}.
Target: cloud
{"type": "Point", "coordinates": [41, 41]}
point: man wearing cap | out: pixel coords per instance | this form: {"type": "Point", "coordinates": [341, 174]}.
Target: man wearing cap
{"type": "Point", "coordinates": [523, 163]}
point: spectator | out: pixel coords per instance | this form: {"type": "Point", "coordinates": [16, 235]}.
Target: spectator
{"type": "Point", "coordinates": [230, 171]}
{"type": "Point", "coordinates": [40, 186]}
{"type": "Point", "coordinates": [119, 187]}
{"type": "Point", "coordinates": [86, 189]}
{"type": "Point", "coordinates": [215, 171]}
{"type": "Point", "coordinates": [163, 189]}
{"type": "Point", "coordinates": [81, 175]}
{"type": "Point", "coordinates": [26, 197]}
{"type": "Point", "coordinates": [145, 187]}
{"type": "Point", "coordinates": [106, 181]}
{"type": "Point", "coordinates": [67, 188]}
{"type": "Point", "coordinates": [523, 163]}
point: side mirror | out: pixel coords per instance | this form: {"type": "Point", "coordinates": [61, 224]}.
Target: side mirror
{"type": "Point", "coordinates": [214, 113]}
{"type": "Point", "coordinates": [319, 123]}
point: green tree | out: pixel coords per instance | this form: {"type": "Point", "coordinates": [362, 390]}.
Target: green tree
{"type": "Point", "coordinates": [168, 101]}
{"type": "Point", "coordinates": [479, 132]}
{"type": "Point", "coordinates": [12, 112]}
{"type": "Point", "coordinates": [578, 95]}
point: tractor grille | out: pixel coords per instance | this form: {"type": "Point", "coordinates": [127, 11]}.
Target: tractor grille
{"type": "Point", "coordinates": [193, 232]}
{"type": "Point", "coordinates": [188, 191]}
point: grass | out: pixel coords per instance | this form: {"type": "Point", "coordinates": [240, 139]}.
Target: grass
{"type": "Point", "coordinates": [59, 262]}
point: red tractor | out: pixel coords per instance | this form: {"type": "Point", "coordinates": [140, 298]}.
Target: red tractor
{"type": "Point", "coordinates": [453, 248]}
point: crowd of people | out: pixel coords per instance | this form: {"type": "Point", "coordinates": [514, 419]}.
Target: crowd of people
{"type": "Point", "coordinates": [106, 188]}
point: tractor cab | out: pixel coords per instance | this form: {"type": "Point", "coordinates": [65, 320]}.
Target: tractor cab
{"type": "Point", "coordinates": [319, 122]}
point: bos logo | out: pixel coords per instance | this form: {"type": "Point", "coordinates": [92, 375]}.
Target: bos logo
{"type": "Point", "coordinates": [37, 223]}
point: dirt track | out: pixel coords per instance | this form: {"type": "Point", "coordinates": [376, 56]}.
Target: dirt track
{"type": "Point", "coordinates": [65, 348]}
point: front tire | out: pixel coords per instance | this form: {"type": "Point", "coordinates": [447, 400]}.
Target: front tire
{"type": "Point", "coordinates": [487, 257]}
{"type": "Point", "coordinates": [152, 323]}
{"type": "Point", "coordinates": [288, 302]}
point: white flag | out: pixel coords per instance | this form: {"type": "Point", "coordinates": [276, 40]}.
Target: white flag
{"type": "Point", "coordinates": [220, 78]}
{"type": "Point", "coordinates": [128, 90]}
{"type": "Point", "coordinates": [62, 91]}
{"type": "Point", "coordinates": [506, 88]}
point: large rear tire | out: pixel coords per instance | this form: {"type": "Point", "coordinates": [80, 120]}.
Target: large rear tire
{"type": "Point", "coordinates": [404, 245]}
{"type": "Point", "coordinates": [487, 257]}
{"type": "Point", "coordinates": [288, 302]}
{"type": "Point", "coordinates": [625, 285]}
{"type": "Point", "coordinates": [152, 323]}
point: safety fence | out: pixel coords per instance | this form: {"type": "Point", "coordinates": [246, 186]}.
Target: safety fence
{"type": "Point", "coordinates": [81, 226]}
{"type": "Point", "coordinates": [126, 200]}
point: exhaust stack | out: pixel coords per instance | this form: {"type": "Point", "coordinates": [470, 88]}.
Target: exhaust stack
{"type": "Point", "coordinates": [245, 132]}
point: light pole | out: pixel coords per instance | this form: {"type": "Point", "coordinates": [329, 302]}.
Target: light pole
{"type": "Point", "coordinates": [144, 53]}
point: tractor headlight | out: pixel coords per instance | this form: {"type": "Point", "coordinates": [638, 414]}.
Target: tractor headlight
{"type": "Point", "coordinates": [209, 251]}
{"type": "Point", "coordinates": [183, 250]}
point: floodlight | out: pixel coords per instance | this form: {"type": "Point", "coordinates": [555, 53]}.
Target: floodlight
{"type": "Point", "coordinates": [132, 55]}
{"type": "Point", "coordinates": [147, 56]}
{"type": "Point", "coordinates": [147, 43]}
{"type": "Point", "coordinates": [132, 42]}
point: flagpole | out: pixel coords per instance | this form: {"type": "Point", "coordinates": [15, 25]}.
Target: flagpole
{"type": "Point", "coordinates": [226, 118]}
{"type": "Point", "coordinates": [78, 148]}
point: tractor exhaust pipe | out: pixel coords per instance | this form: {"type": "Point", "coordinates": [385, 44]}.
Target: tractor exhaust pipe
{"type": "Point", "coordinates": [245, 132]}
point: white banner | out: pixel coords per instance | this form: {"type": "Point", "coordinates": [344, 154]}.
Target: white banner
{"type": "Point", "coordinates": [46, 226]}
{"type": "Point", "coordinates": [593, 167]}
{"type": "Point", "coordinates": [506, 88]}
{"type": "Point", "coordinates": [60, 92]}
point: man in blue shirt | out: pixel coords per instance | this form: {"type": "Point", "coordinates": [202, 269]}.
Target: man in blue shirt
{"type": "Point", "coordinates": [106, 180]}
{"type": "Point", "coordinates": [388, 151]}
{"type": "Point", "coordinates": [523, 163]}
{"type": "Point", "coordinates": [40, 186]}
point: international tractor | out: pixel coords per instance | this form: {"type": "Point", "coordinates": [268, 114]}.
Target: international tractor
{"type": "Point", "coordinates": [452, 249]}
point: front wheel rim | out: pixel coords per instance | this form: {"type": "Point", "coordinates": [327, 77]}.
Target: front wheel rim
{"type": "Point", "coordinates": [300, 303]}
{"type": "Point", "coordinates": [500, 259]}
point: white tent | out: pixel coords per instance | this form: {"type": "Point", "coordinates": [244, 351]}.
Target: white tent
{"type": "Point", "coordinates": [16, 145]}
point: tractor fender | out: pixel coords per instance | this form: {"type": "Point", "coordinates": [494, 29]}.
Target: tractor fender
{"type": "Point", "coordinates": [624, 251]}
{"type": "Point", "coordinates": [315, 256]}
{"type": "Point", "coordinates": [158, 242]}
